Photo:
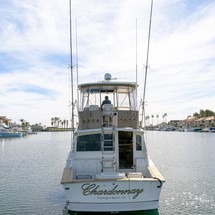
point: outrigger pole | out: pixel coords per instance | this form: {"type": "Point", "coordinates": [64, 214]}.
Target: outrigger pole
{"type": "Point", "coordinates": [146, 67]}
{"type": "Point", "coordinates": [77, 66]}
{"type": "Point", "coordinates": [71, 67]}
{"type": "Point", "coordinates": [136, 50]}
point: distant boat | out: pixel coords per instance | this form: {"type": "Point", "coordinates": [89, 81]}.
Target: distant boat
{"type": "Point", "coordinates": [196, 129]}
{"type": "Point", "coordinates": [165, 128]}
{"type": "Point", "coordinates": [6, 133]}
{"type": "Point", "coordinates": [28, 131]}
{"type": "Point", "coordinates": [209, 129]}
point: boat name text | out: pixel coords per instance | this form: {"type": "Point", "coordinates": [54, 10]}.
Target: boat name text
{"type": "Point", "coordinates": [94, 189]}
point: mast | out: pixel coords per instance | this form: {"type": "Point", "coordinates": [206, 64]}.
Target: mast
{"type": "Point", "coordinates": [146, 67]}
{"type": "Point", "coordinates": [71, 66]}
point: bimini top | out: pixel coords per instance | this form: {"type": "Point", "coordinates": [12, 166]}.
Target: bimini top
{"type": "Point", "coordinates": [108, 85]}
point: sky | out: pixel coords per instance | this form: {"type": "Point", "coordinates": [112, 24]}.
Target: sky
{"type": "Point", "coordinates": [35, 54]}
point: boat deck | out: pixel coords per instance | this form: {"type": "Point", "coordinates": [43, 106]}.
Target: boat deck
{"type": "Point", "coordinates": [134, 176]}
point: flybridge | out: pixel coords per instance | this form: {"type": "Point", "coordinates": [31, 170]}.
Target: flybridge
{"type": "Point", "coordinates": [123, 95]}
{"type": "Point", "coordinates": [121, 110]}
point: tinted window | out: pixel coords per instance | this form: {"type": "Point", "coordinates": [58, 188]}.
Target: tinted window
{"type": "Point", "coordinates": [90, 142]}
{"type": "Point", "coordinates": [138, 143]}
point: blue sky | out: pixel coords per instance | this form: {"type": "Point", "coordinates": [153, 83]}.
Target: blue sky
{"type": "Point", "coordinates": [34, 54]}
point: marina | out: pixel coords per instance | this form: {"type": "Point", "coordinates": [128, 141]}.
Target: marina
{"type": "Point", "coordinates": [113, 158]}
{"type": "Point", "coordinates": [31, 170]}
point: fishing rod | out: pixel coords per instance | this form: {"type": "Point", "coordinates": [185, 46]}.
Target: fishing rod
{"type": "Point", "coordinates": [136, 51]}
{"type": "Point", "coordinates": [146, 67]}
{"type": "Point", "coordinates": [71, 65]}
{"type": "Point", "coordinates": [77, 66]}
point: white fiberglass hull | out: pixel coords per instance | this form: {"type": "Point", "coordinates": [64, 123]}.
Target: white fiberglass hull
{"type": "Point", "coordinates": [113, 195]}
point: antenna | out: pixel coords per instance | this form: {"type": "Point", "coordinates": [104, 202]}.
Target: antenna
{"type": "Point", "coordinates": [71, 66]}
{"type": "Point", "coordinates": [147, 59]}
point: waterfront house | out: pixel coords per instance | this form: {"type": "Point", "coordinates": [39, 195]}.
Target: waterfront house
{"type": "Point", "coordinates": [4, 120]}
{"type": "Point", "coordinates": [176, 123]}
{"type": "Point", "coordinates": [200, 122]}
{"type": "Point", "coordinates": [209, 121]}
{"type": "Point", "coordinates": [190, 121]}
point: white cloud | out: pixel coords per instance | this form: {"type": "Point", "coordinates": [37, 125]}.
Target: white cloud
{"type": "Point", "coordinates": [34, 42]}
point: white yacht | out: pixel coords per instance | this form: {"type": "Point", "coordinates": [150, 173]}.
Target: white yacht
{"type": "Point", "coordinates": [108, 168]}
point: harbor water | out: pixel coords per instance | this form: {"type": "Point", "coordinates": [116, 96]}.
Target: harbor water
{"type": "Point", "coordinates": [31, 169]}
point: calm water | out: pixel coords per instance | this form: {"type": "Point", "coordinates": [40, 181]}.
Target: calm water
{"type": "Point", "coordinates": [31, 169]}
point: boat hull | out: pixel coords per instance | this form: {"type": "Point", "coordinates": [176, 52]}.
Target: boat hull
{"type": "Point", "coordinates": [10, 134]}
{"type": "Point", "coordinates": [113, 195]}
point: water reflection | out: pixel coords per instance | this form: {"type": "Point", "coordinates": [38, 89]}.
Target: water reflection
{"type": "Point", "coordinates": [2, 142]}
{"type": "Point", "coordinates": [147, 212]}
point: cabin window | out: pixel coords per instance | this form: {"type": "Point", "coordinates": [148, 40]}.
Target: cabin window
{"type": "Point", "coordinates": [138, 143]}
{"type": "Point", "coordinates": [91, 142]}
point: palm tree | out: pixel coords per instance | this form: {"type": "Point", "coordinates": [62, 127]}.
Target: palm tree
{"type": "Point", "coordinates": [157, 118]}
{"type": "Point", "coordinates": [64, 123]}
{"type": "Point", "coordinates": [147, 118]}
{"type": "Point", "coordinates": [24, 123]}
{"type": "Point", "coordinates": [152, 118]}
{"type": "Point", "coordinates": [52, 121]}
{"type": "Point", "coordinates": [56, 123]}
{"type": "Point", "coordinates": [164, 117]}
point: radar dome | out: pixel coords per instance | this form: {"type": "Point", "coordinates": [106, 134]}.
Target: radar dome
{"type": "Point", "coordinates": [108, 77]}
